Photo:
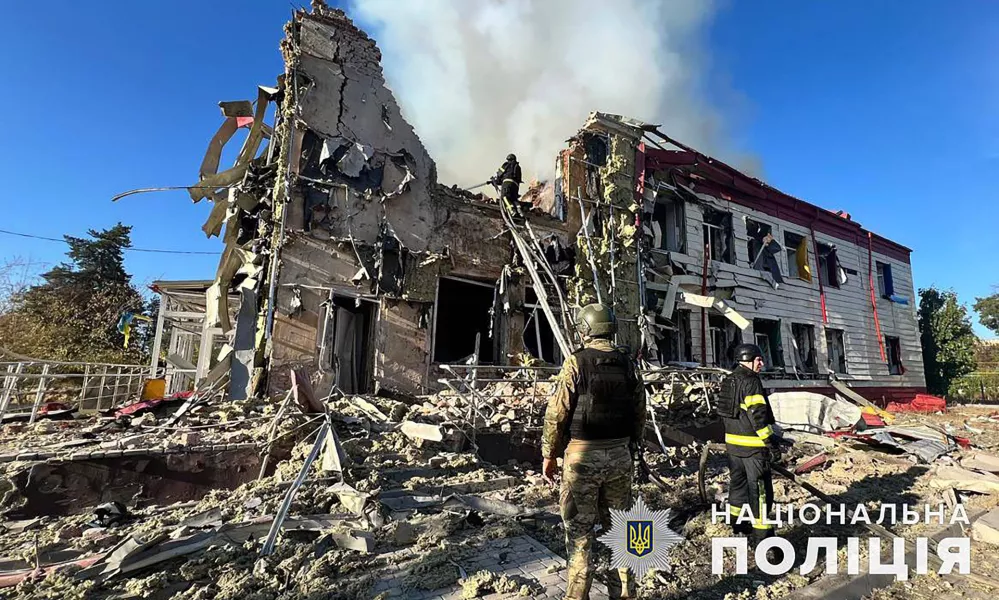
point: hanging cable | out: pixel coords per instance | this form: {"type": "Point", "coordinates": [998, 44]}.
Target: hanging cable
{"type": "Point", "coordinates": [49, 239]}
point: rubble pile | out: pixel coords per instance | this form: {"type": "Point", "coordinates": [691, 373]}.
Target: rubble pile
{"type": "Point", "coordinates": [400, 503]}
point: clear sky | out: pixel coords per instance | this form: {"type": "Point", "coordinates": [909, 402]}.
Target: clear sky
{"type": "Point", "coordinates": [889, 110]}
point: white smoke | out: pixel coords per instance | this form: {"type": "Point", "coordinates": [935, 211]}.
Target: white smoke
{"type": "Point", "coordinates": [481, 78]}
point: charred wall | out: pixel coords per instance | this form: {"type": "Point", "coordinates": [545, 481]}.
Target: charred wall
{"type": "Point", "coordinates": [364, 216]}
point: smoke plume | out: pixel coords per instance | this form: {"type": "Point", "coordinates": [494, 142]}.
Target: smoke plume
{"type": "Point", "coordinates": [481, 78]}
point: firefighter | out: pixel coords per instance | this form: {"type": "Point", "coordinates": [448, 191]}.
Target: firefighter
{"type": "Point", "coordinates": [509, 178]}
{"type": "Point", "coordinates": [750, 442]}
{"type": "Point", "coordinates": [594, 422]}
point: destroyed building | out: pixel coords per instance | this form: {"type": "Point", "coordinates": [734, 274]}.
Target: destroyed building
{"type": "Point", "coordinates": [349, 267]}
{"type": "Point", "coordinates": [345, 255]}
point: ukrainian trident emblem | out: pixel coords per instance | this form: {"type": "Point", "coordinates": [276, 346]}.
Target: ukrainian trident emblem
{"type": "Point", "coordinates": [640, 537]}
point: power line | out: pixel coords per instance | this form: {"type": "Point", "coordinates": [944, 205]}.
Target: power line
{"type": "Point", "coordinates": [48, 239]}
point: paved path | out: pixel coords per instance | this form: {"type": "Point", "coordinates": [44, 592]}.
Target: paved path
{"type": "Point", "coordinates": [523, 556]}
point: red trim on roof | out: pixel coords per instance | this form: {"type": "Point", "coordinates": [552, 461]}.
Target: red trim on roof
{"type": "Point", "coordinates": [713, 177]}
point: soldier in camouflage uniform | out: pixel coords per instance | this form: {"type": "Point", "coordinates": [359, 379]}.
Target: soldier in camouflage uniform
{"type": "Point", "coordinates": [594, 421]}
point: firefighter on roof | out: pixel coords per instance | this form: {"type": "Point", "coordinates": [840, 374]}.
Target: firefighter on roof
{"type": "Point", "coordinates": [509, 178]}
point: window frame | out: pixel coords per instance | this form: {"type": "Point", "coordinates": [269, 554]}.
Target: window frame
{"type": "Point", "coordinates": [831, 334]}
{"type": "Point", "coordinates": [893, 350]}
{"type": "Point", "coordinates": [828, 276]}
{"type": "Point", "coordinates": [809, 330]}
{"type": "Point", "coordinates": [791, 252]}
{"type": "Point", "coordinates": [886, 280]}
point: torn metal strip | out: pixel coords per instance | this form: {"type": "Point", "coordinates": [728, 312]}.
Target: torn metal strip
{"type": "Point", "coordinates": [209, 166]}
{"type": "Point", "coordinates": [282, 513]}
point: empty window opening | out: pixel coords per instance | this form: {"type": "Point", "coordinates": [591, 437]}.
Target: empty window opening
{"type": "Point", "coordinates": [717, 231]}
{"type": "Point", "coordinates": [539, 339]}
{"type": "Point", "coordinates": [831, 274]}
{"type": "Point", "coordinates": [893, 347]}
{"type": "Point", "coordinates": [804, 347]}
{"type": "Point", "coordinates": [669, 230]}
{"type": "Point", "coordinates": [674, 344]}
{"type": "Point", "coordinates": [725, 336]}
{"type": "Point", "coordinates": [767, 337]}
{"type": "Point", "coordinates": [345, 348]}
{"type": "Point", "coordinates": [463, 313]}
{"type": "Point", "coordinates": [763, 249]}
{"type": "Point", "coordinates": [796, 248]}
{"type": "Point", "coordinates": [836, 348]}
{"type": "Point", "coordinates": [886, 285]}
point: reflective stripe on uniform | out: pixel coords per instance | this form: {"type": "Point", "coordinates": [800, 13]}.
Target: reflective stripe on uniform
{"type": "Point", "coordinates": [758, 523]}
{"type": "Point", "coordinates": [764, 433]}
{"type": "Point", "coordinates": [752, 401]}
{"type": "Point", "coordinates": [510, 180]}
{"type": "Point", "coordinates": [745, 440]}
{"type": "Point", "coordinates": [734, 510]}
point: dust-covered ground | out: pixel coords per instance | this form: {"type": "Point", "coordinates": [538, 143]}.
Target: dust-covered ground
{"type": "Point", "coordinates": [385, 463]}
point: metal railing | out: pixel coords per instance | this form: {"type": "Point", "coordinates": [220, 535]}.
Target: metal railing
{"type": "Point", "coordinates": [30, 384]}
{"type": "Point", "coordinates": [483, 387]}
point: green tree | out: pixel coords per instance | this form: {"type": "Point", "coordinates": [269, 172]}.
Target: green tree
{"type": "Point", "coordinates": [72, 314]}
{"type": "Point", "coordinates": [988, 312]}
{"type": "Point", "coordinates": [947, 338]}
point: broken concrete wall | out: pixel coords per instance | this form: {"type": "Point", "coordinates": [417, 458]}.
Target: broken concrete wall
{"type": "Point", "coordinates": [402, 345]}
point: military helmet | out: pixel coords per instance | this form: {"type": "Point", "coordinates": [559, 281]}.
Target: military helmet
{"type": "Point", "coordinates": [511, 157]}
{"type": "Point", "coordinates": [596, 320]}
{"type": "Point", "coordinates": [747, 352]}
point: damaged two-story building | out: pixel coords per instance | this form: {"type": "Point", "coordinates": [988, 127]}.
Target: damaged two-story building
{"type": "Point", "coordinates": [349, 259]}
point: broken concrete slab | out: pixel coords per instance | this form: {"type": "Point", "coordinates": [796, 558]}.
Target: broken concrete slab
{"type": "Point", "coordinates": [945, 476]}
{"type": "Point", "coordinates": [980, 461]}
{"type": "Point", "coordinates": [986, 528]}
{"type": "Point", "coordinates": [360, 541]}
{"type": "Point", "coordinates": [422, 431]}
{"type": "Point", "coordinates": [485, 505]}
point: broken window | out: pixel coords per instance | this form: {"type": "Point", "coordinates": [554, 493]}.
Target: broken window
{"type": "Point", "coordinates": [837, 350]}
{"type": "Point", "coordinates": [463, 316]}
{"type": "Point", "coordinates": [767, 337]}
{"type": "Point", "coordinates": [796, 248]}
{"type": "Point", "coordinates": [674, 345]}
{"type": "Point", "coordinates": [669, 229]}
{"type": "Point", "coordinates": [344, 348]}
{"type": "Point", "coordinates": [539, 339]}
{"type": "Point", "coordinates": [831, 274]}
{"type": "Point", "coordinates": [717, 231]}
{"type": "Point", "coordinates": [886, 286]}
{"type": "Point", "coordinates": [804, 347]}
{"type": "Point", "coordinates": [893, 347]}
{"type": "Point", "coordinates": [725, 336]}
{"type": "Point", "coordinates": [763, 250]}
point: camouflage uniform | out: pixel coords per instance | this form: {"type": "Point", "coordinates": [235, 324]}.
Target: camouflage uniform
{"type": "Point", "coordinates": [596, 476]}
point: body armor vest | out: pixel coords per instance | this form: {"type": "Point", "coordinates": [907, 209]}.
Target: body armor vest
{"type": "Point", "coordinates": [606, 396]}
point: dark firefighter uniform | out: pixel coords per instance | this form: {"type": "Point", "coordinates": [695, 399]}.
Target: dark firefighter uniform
{"type": "Point", "coordinates": [596, 414]}
{"type": "Point", "coordinates": [750, 443]}
{"type": "Point", "coordinates": [509, 178]}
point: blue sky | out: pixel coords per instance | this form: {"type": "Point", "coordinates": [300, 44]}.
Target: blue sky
{"type": "Point", "coordinates": [888, 110]}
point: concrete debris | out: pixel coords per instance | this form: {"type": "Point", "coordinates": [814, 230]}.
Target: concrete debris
{"type": "Point", "coordinates": [946, 476]}
{"type": "Point", "coordinates": [981, 461]}
{"type": "Point", "coordinates": [422, 431]}
{"type": "Point", "coordinates": [986, 528]}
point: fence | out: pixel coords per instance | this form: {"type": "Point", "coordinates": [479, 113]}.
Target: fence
{"type": "Point", "coordinates": [29, 384]}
